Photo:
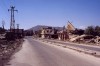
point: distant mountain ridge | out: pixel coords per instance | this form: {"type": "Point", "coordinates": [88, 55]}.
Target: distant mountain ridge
{"type": "Point", "coordinates": [38, 27]}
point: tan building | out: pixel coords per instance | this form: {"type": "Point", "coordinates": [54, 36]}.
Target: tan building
{"type": "Point", "coordinates": [70, 27]}
{"type": "Point", "coordinates": [63, 35]}
{"type": "Point", "coordinates": [47, 32]}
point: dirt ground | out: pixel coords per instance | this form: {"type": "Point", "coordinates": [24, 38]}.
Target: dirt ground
{"type": "Point", "coordinates": [7, 49]}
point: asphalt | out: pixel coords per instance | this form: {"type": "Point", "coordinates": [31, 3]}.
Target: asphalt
{"type": "Point", "coordinates": [84, 46]}
{"type": "Point", "coordinates": [34, 53]}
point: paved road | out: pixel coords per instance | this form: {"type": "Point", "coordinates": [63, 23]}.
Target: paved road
{"type": "Point", "coordinates": [35, 53]}
{"type": "Point", "coordinates": [94, 48]}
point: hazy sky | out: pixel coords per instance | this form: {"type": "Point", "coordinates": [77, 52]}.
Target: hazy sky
{"type": "Point", "coordinates": [51, 12]}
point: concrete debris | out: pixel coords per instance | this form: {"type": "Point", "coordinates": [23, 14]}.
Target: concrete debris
{"type": "Point", "coordinates": [86, 39]}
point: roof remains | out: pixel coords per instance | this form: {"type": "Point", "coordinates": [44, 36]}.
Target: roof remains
{"type": "Point", "coordinates": [70, 27]}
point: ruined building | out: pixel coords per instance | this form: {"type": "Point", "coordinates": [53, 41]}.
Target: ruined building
{"type": "Point", "coordinates": [49, 33]}
{"type": "Point", "coordinates": [70, 27]}
{"type": "Point", "coordinates": [65, 33]}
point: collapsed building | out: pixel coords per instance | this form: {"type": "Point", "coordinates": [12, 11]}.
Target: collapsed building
{"type": "Point", "coordinates": [65, 33]}
{"type": "Point", "coordinates": [69, 33]}
{"type": "Point", "coordinates": [49, 33]}
{"type": "Point", "coordinates": [15, 34]}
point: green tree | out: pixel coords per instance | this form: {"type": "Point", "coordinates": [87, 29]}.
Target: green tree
{"type": "Point", "coordinates": [97, 30]}
{"type": "Point", "coordinates": [90, 30]}
{"type": "Point", "coordinates": [78, 32]}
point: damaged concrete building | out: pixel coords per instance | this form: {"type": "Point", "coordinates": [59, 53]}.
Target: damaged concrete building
{"type": "Point", "coordinates": [49, 33]}
{"type": "Point", "coordinates": [64, 34]}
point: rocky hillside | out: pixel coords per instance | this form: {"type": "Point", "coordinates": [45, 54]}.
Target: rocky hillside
{"type": "Point", "coordinates": [38, 27]}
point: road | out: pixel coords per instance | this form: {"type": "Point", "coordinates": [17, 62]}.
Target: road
{"type": "Point", "coordinates": [35, 53]}
{"type": "Point", "coordinates": [89, 47]}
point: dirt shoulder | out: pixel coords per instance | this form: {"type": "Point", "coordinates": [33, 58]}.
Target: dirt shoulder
{"type": "Point", "coordinates": [7, 49]}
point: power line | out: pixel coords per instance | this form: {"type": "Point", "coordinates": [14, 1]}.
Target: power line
{"type": "Point", "coordinates": [12, 23]}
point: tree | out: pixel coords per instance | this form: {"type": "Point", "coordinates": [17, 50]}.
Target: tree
{"type": "Point", "coordinates": [78, 32]}
{"type": "Point", "coordinates": [97, 30]}
{"type": "Point", "coordinates": [90, 30]}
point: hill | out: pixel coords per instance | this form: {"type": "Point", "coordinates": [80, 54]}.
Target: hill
{"type": "Point", "coordinates": [38, 27]}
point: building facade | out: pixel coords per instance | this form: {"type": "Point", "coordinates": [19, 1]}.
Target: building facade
{"type": "Point", "coordinates": [63, 35]}
{"type": "Point", "coordinates": [48, 33]}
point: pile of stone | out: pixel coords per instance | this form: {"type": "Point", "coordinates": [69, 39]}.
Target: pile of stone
{"type": "Point", "coordinates": [86, 39]}
{"type": "Point", "coordinates": [7, 48]}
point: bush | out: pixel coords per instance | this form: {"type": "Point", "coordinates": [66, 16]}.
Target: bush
{"type": "Point", "coordinates": [78, 32]}
{"type": "Point", "coordinates": [97, 30]}
{"type": "Point", "coordinates": [93, 30]}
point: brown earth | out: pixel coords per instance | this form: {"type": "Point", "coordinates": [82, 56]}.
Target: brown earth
{"type": "Point", "coordinates": [7, 49]}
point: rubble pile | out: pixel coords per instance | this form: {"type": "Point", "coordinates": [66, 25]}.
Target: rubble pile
{"type": "Point", "coordinates": [7, 48]}
{"type": "Point", "coordinates": [86, 39]}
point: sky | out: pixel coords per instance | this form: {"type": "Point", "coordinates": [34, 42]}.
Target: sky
{"type": "Point", "coordinates": [81, 13]}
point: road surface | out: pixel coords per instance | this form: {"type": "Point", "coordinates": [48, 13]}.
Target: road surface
{"type": "Point", "coordinates": [35, 53]}
{"type": "Point", "coordinates": [89, 47]}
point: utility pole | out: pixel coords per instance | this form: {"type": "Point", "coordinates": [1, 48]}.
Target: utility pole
{"type": "Point", "coordinates": [17, 26]}
{"type": "Point", "coordinates": [3, 23]}
{"type": "Point", "coordinates": [12, 23]}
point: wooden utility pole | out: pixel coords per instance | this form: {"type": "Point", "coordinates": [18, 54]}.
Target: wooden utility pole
{"type": "Point", "coordinates": [12, 23]}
